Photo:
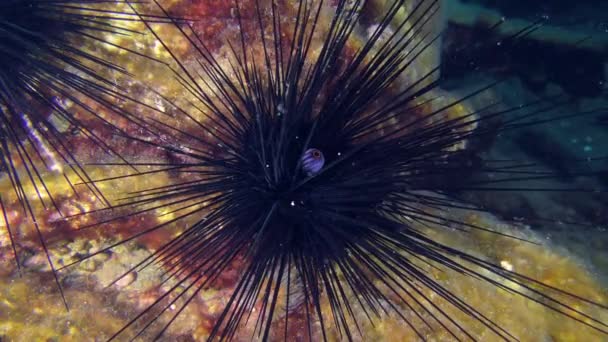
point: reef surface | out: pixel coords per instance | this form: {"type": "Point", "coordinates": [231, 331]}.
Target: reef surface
{"type": "Point", "coordinates": [31, 308]}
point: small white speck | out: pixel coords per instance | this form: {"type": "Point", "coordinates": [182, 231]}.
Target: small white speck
{"type": "Point", "coordinates": [506, 265]}
{"type": "Point", "coordinates": [281, 109]}
{"type": "Point", "coordinates": [293, 204]}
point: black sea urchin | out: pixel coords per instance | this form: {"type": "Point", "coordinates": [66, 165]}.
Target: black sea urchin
{"type": "Point", "coordinates": [313, 170]}
{"type": "Point", "coordinates": [46, 63]}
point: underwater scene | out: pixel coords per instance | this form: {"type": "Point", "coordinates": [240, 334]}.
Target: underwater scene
{"type": "Point", "coordinates": [303, 170]}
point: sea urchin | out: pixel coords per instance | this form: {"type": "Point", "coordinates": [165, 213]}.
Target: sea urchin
{"type": "Point", "coordinates": [312, 169]}
{"type": "Point", "coordinates": [51, 85]}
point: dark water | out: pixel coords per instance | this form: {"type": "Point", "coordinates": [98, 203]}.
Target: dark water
{"type": "Point", "coordinates": [571, 66]}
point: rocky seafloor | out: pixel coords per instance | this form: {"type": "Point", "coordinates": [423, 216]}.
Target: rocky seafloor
{"type": "Point", "coordinates": [569, 229]}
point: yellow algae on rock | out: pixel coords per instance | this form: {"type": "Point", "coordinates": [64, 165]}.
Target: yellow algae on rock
{"type": "Point", "coordinates": [518, 315]}
{"type": "Point", "coordinates": [32, 310]}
